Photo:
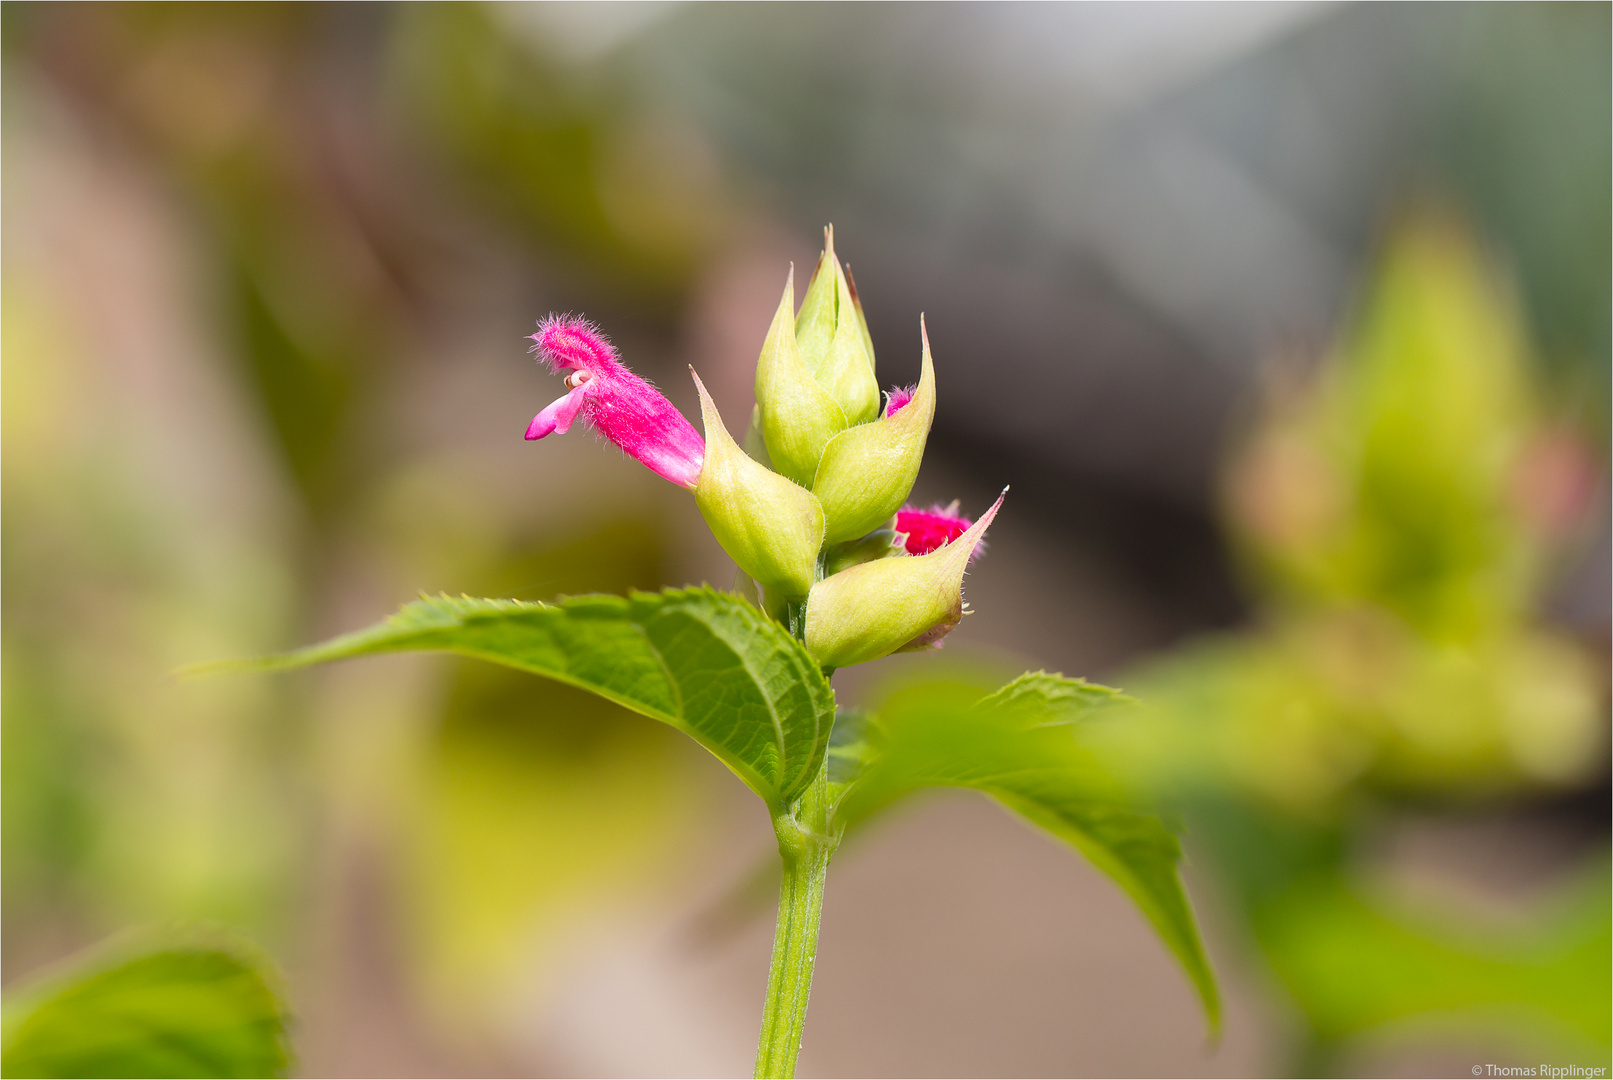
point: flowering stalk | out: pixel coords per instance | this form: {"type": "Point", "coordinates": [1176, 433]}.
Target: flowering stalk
{"type": "Point", "coordinates": [848, 574]}
{"type": "Point", "coordinates": [852, 573]}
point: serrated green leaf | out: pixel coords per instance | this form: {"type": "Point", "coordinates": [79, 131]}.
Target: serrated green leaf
{"type": "Point", "coordinates": [703, 661]}
{"type": "Point", "coordinates": [179, 1012]}
{"type": "Point", "coordinates": [1028, 745]}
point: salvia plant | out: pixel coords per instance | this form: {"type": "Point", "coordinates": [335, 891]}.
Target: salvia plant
{"type": "Point", "coordinates": [812, 509]}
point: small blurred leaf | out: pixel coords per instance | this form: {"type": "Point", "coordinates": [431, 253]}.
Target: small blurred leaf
{"type": "Point", "coordinates": [1352, 963]}
{"type": "Point", "coordinates": [705, 662]}
{"type": "Point", "coordinates": [1399, 476]}
{"type": "Point", "coordinates": [1026, 746]}
{"type": "Point", "coordinates": [849, 752]}
{"type": "Point", "coordinates": [179, 1012]}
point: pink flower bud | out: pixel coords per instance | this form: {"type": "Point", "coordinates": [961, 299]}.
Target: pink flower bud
{"type": "Point", "coordinates": [929, 529]}
{"type": "Point", "coordinates": [618, 404]}
{"type": "Point", "coordinates": [897, 398]}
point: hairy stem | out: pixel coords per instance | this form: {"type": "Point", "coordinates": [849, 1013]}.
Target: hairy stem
{"type": "Point", "coordinates": [806, 846]}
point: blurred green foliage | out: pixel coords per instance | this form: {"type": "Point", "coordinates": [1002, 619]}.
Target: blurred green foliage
{"type": "Point", "coordinates": [1407, 475]}
{"type": "Point", "coordinates": [150, 523]}
{"type": "Point", "coordinates": [189, 1011]}
{"type": "Point", "coordinates": [1398, 511]}
{"type": "Point", "coordinates": [561, 159]}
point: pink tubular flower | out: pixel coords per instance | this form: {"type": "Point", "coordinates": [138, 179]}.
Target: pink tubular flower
{"type": "Point", "coordinates": [615, 402]}
{"type": "Point", "coordinates": [929, 529]}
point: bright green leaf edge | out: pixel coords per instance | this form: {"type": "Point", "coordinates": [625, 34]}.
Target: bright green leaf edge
{"type": "Point", "coordinates": [705, 662]}
{"type": "Point", "coordinates": [1159, 895]}
{"type": "Point", "coordinates": [189, 1011]}
{"type": "Point", "coordinates": [1142, 855]}
{"type": "Point", "coordinates": [1077, 799]}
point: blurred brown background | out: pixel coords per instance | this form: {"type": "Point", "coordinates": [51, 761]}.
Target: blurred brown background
{"type": "Point", "coordinates": [267, 274]}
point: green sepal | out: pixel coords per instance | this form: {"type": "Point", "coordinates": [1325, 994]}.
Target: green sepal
{"type": "Point", "coordinates": [877, 608]}
{"type": "Point", "coordinates": [867, 471]}
{"type": "Point", "coordinates": [862, 322]}
{"type": "Point", "coordinates": [755, 445]}
{"type": "Point", "coordinates": [768, 524]}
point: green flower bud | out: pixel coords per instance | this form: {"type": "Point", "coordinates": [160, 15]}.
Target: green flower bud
{"type": "Point", "coordinates": [867, 471]}
{"type": "Point", "coordinates": [797, 416]}
{"type": "Point", "coordinates": [771, 526]}
{"type": "Point", "coordinates": [879, 607]}
{"type": "Point", "coordinates": [832, 338]}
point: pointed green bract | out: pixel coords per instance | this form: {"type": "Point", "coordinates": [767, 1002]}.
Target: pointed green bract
{"type": "Point", "coordinates": [879, 607]}
{"type": "Point", "coordinates": [831, 340]}
{"type": "Point", "coordinates": [705, 662]}
{"type": "Point", "coordinates": [815, 322]}
{"type": "Point", "coordinates": [867, 472]}
{"type": "Point", "coordinates": [1034, 746]}
{"type": "Point", "coordinates": [847, 371]}
{"type": "Point", "coordinates": [797, 416]}
{"type": "Point", "coordinates": [862, 323]}
{"type": "Point", "coordinates": [176, 1012]}
{"type": "Point", "coordinates": [768, 524]}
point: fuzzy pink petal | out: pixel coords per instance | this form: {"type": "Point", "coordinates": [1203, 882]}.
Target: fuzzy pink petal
{"type": "Point", "coordinates": [632, 414]}
{"type": "Point", "coordinates": [929, 529]}
{"type": "Point", "coordinates": [897, 397]}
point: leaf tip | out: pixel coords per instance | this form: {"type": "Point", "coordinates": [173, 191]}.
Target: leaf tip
{"type": "Point", "coordinates": [240, 665]}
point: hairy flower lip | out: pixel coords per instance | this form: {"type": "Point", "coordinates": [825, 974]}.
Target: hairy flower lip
{"type": "Point", "coordinates": [570, 341]}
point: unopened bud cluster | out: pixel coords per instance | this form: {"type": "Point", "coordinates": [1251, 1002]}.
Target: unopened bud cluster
{"type": "Point", "coordinates": [820, 525]}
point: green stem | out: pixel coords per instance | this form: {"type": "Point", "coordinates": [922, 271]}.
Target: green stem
{"type": "Point", "coordinates": [806, 846]}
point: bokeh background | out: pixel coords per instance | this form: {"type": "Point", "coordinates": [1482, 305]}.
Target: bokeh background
{"type": "Point", "coordinates": [1288, 324]}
